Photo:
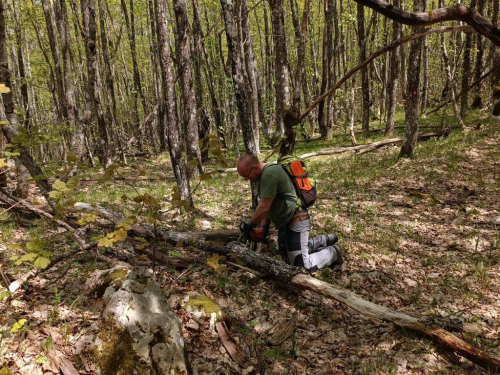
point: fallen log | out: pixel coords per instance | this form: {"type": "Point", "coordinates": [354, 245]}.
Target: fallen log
{"type": "Point", "coordinates": [368, 146]}
{"type": "Point", "coordinates": [435, 328]}
{"type": "Point", "coordinates": [295, 276]}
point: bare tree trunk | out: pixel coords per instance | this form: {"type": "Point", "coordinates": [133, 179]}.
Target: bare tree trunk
{"type": "Point", "coordinates": [170, 117]}
{"type": "Point", "coordinates": [110, 95]}
{"type": "Point", "coordinates": [93, 100]}
{"type": "Point", "coordinates": [269, 73]}
{"type": "Point", "coordinates": [251, 68]}
{"type": "Point", "coordinates": [412, 93]}
{"type": "Point", "coordinates": [282, 75]}
{"type": "Point", "coordinates": [450, 79]}
{"type": "Point", "coordinates": [239, 84]}
{"type": "Point", "coordinates": [78, 135]}
{"type": "Point", "coordinates": [425, 85]}
{"type": "Point", "coordinates": [477, 102]}
{"type": "Point", "coordinates": [22, 74]}
{"type": "Point", "coordinates": [325, 127]}
{"type": "Point", "coordinates": [466, 71]}
{"type": "Point", "coordinates": [130, 26]}
{"type": "Point", "coordinates": [185, 74]}
{"type": "Point", "coordinates": [392, 87]}
{"type": "Point", "coordinates": [365, 82]}
{"type": "Point", "coordinates": [60, 102]}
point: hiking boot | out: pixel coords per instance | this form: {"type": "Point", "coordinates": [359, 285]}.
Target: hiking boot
{"type": "Point", "coordinates": [332, 239]}
{"type": "Point", "coordinates": [339, 261]}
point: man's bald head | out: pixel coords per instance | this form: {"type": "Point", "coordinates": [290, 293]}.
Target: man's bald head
{"type": "Point", "coordinates": [248, 167]}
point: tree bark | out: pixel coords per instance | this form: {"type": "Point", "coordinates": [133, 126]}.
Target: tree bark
{"type": "Point", "coordinates": [60, 105]}
{"type": "Point", "coordinates": [479, 65]}
{"type": "Point", "coordinates": [93, 98]}
{"type": "Point", "coordinates": [236, 58]}
{"type": "Point", "coordinates": [324, 124]}
{"type": "Point", "coordinates": [185, 76]}
{"type": "Point", "coordinates": [251, 68]}
{"type": "Point", "coordinates": [170, 117]}
{"type": "Point", "coordinates": [412, 93]}
{"type": "Point", "coordinates": [78, 134]}
{"type": "Point", "coordinates": [281, 72]}
{"type": "Point", "coordinates": [392, 88]}
{"type": "Point", "coordinates": [365, 82]}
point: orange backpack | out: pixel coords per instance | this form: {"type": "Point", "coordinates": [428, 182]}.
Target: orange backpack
{"type": "Point", "coordinates": [305, 187]}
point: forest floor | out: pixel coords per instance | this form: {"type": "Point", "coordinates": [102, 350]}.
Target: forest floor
{"type": "Point", "coordinates": [418, 235]}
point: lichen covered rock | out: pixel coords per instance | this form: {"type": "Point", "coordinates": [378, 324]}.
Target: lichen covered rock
{"type": "Point", "coordinates": [139, 333]}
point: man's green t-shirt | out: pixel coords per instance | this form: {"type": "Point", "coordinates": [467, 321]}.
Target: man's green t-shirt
{"type": "Point", "coordinates": [275, 183]}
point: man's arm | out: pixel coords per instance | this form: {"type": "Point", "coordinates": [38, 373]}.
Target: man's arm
{"type": "Point", "coordinates": [261, 211]}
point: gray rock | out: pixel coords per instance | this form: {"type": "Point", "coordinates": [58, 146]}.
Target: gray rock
{"type": "Point", "coordinates": [139, 333]}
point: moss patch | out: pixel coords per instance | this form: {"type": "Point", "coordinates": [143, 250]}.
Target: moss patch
{"type": "Point", "coordinates": [206, 305]}
{"type": "Point", "coordinates": [116, 354]}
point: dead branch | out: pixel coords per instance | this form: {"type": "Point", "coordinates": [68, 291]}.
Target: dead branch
{"type": "Point", "coordinates": [369, 146]}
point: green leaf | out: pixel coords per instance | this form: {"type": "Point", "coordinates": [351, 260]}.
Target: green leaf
{"type": "Point", "coordinates": [3, 163]}
{"type": "Point", "coordinates": [18, 325]}
{"type": "Point", "coordinates": [3, 295]}
{"type": "Point", "coordinates": [35, 245]}
{"type": "Point", "coordinates": [30, 257]}
{"type": "Point", "coordinates": [59, 185]}
{"type": "Point", "coordinates": [41, 360]}
{"type": "Point", "coordinates": [13, 153]}
{"type": "Point", "coordinates": [55, 194]}
{"type": "Point", "coordinates": [15, 257]}
{"type": "Point", "coordinates": [41, 262]}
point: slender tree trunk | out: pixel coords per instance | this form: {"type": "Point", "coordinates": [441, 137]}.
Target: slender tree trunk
{"type": "Point", "coordinates": [496, 57]}
{"type": "Point", "coordinates": [281, 74]}
{"type": "Point", "coordinates": [477, 102]}
{"type": "Point", "coordinates": [138, 92]}
{"type": "Point", "coordinates": [93, 102]}
{"type": "Point", "coordinates": [237, 73]}
{"type": "Point", "coordinates": [365, 82]}
{"type": "Point", "coordinates": [269, 73]}
{"type": "Point", "coordinates": [325, 126]}
{"type": "Point", "coordinates": [466, 71]}
{"type": "Point", "coordinates": [110, 95]}
{"type": "Point", "coordinates": [78, 135]}
{"type": "Point", "coordinates": [412, 94]}
{"type": "Point", "coordinates": [60, 103]}
{"type": "Point", "coordinates": [449, 75]}
{"type": "Point", "coordinates": [185, 73]}
{"type": "Point", "coordinates": [425, 84]}
{"type": "Point", "coordinates": [22, 75]}
{"type": "Point", "coordinates": [174, 143]}
{"type": "Point", "coordinates": [392, 87]}
{"type": "Point", "coordinates": [251, 69]}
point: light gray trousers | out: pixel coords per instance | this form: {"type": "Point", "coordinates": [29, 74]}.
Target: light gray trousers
{"type": "Point", "coordinates": [299, 250]}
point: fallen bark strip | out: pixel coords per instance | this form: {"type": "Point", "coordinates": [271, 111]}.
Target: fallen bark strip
{"type": "Point", "coordinates": [295, 276]}
{"type": "Point", "coordinates": [371, 146]}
